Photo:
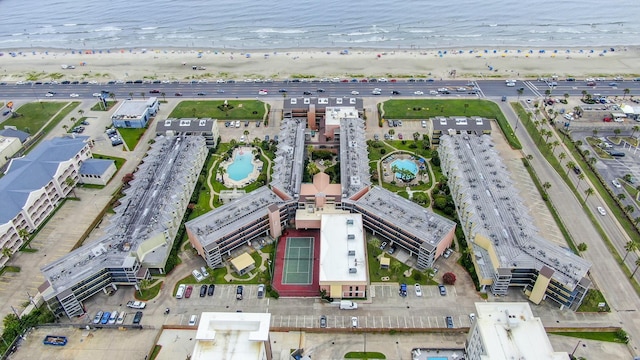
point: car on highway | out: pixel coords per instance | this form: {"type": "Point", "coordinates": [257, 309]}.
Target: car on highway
{"type": "Point", "coordinates": [49, 94]}
{"type": "Point", "coordinates": [74, 95]}
{"type": "Point", "coordinates": [323, 321]}
{"type": "Point", "coordinates": [395, 92]}
{"type": "Point", "coordinates": [178, 94]}
{"type": "Point", "coordinates": [320, 90]}
{"type": "Point", "coordinates": [602, 211]}
{"type": "Point", "coordinates": [418, 289]}
{"type": "Point", "coordinates": [154, 91]}
{"type": "Point", "coordinates": [6, 112]}
{"type": "Point", "coordinates": [220, 91]}
{"type": "Point", "coordinates": [306, 93]}
{"type": "Point", "coordinates": [418, 92]}
{"type": "Point", "coordinates": [443, 290]}
{"type": "Point", "coordinates": [201, 93]}
{"type": "Point", "coordinates": [263, 92]}
{"type": "Point", "coordinates": [616, 183]}
{"type": "Point", "coordinates": [353, 92]}
{"type": "Point", "coordinates": [375, 92]}
{"type": "Point", "coordinates": [282, 90]}
{"type": "Point", "coordinates": [187, 292]}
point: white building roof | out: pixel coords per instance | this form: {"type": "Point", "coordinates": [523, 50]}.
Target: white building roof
{"type": "Point", "coordinates": [510, 331]}
{"type": "Point", "coordinates": [231, 335]}
{"type": "Point", "coordinates": [342, 248]}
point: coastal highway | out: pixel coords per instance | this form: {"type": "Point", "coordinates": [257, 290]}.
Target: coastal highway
{"type": "Point", "coordinates": [242, 89]}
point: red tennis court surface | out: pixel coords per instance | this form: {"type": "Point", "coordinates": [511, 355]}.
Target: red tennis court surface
{"type": "Point", "coordinates": [288, 290]}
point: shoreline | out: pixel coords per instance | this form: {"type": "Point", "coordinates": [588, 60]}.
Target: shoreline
{"type": "Point", "coordinates": [444, 63]}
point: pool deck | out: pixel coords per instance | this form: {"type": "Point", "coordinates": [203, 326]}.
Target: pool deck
{"type": "Point", "coordinates": [253, 175]}
{"type": "Point", "coordinates": [389, 176]}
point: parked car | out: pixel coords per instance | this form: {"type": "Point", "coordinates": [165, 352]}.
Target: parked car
{"type": "Point", "coordinates": [449, 320]}
{"type": "Point", "coordinates": [211, 289]}
{"type": "Point", "coordinates": [260, 291]}
{"type": "Point", "coordinates": [383, 245]}
{"type": "Point", "coordinates": [239, 290]}
{"type": "Point", "coordinates": [354, 322]}
{"type": "Point", "coordinates": [180, 292]}
{"type": "Point", "coordinates": [137, 317]}
{"type": "Point", "coordinates": [98, 317]}
{"type": "Point", "coordinates": [136, 304]}
{"type": "Point", "coordinates": [197, 275]}
{"type": "Point", "coordinates": [204, 271]}
{"type": "Point", "coordinates": [187, 292]}
{"type": "Point", "coordinates": [193, 320]}
{"type": "Point", "coordinates": [203, 290]}
{"type": "Point", "coordinates": [121, 317]}
{"type": "Point", "coordinates": [472, 317]}
{"type": "Point", "coordinates": [443, 290]}
{"type": "Point", "coordinates": [323, 321]}
{"type": "Point", "coordinates": [616, 183]}
{"type": "Point", "coordinates": [105, 317]}
{"type": "Point", "coordinates": [447, 253]}
{"type": "Point", "coordinates": [418, 289]}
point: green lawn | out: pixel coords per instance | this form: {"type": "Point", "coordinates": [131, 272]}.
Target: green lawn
{"type": "Point", "coordinates": [119, 161]}
{"type": "Point", "coordinates": [99, 107]}
{"type": "Point", "coordinates": [34, 115]}
{"type": "Point", "coordinates": [599, 336]}
{"type": "Point", "coordinates": [238, 110]}
{"type": "Point", "coordinates": [131, 136]}
{"type": "Point", "coordinates": [428, 108]}
{"type": "Point", "coordinates": [150, 293]}
{"type": "Point", "coordinates": [591, 301]}
{"type": "Point", "coordinates": [364, 355]}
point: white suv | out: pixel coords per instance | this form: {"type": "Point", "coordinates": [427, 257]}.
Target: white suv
{"type": "Point", "coordinates": [197, 275]}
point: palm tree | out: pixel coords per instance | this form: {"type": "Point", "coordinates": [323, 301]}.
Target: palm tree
{"type": "Point", "coordinates": [626, 92]}
{"type": "Point", "coordinates": [429, 273]}
{"type": "Point", "coordinates": [66, 128]}
{"type": "Point", "coordinates": [143, 94]}
{"type": "Point", "coordinates": [629, 209]}
{"type": "Point", "coordinates": [70, 182]}
{"type": "Point", "coordinates": [81, 112]}
{"type": "Point", "coordinates": [112, 96]}
{"type": "Point", "coordinates": [584, 94]}
{"type": "Point", "coordinates": [562, 156]}
{"type": "Point", "coordinates": [529, 157]}
{"type": "Point", "coordinates": [588, 192]}
{"type": "Point", "coordinates": [546, 185]}
{"type": "Point", "coordinates": [221, 172]}
{"type": "Point", "coordinates": [520, 91]}
{"type": "Point", "coordinates": [621, 196]}
{"type": "Point", "coordinates": [636, 269]}
{"type": "Point", "coordinates": [396, 266]}
{"type": "Point", "coordinates": [635, 128]}
{"type": "Point", "coordinates": [579, 143]}
{"type": "Point", "coordinates": [630, 246]}
{"type": "Point", "coordinates": [24, 235]}
{"type": "Point", "coordinates": [164, 96]}
{"type": "Point", "coordinates": [592, 160]}
{"type": "Point", "coordinates": [131, 95]}
{"type": "Point", "coordinates": [570, 166]}
{"type": "Point", "coordinates": [566, 96]}
{"type": "Point", "coordinates": [580, 178]}
{"type": "Point", "coordinates": [595, 132]}
{"type": "Point", "coordinates": [143, 285]}
{"type": "Point", "coordinates": [617, 132]}
{"type": "Point", "coordinates": [7, 252]}
{"type": "Point", "coordinates": [73, 120]}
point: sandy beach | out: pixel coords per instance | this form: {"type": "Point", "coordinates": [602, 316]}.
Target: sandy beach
{"type": "Point", "coordinates": [177, 64]}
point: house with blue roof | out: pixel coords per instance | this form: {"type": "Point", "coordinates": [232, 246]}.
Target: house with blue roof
{"type": "Point", "coordinates": [15, 133]}
{"type": "Point", "coordinates": [35, 184]}
{"type": "Point", "coordinates": [135, 113]}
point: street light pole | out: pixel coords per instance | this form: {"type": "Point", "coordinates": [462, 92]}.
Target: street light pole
{"type": "Point", "coordinates": [574, 350]}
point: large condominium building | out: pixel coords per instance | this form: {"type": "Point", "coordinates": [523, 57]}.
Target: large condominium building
{"type": "Point", "coordinates": [267, 211]}
{"type": "Point", "coordinates": [507, 249]}
{"type": "Point", "coordinates": [506, 331]}
{"type": "Point", "coordinates": [140, 236]}
{"type": "Point", "coordinates": [207, 128]}
{"type": "Point", "coordinates": [35, 184]}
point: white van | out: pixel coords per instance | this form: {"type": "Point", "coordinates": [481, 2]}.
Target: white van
{"type": "Point", "coordinates": [193, 320]}
{"type": "Point", "coordinates": [181, 290]}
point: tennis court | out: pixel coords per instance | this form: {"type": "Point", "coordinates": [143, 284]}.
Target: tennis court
{"type": "Point", "coordinates": [298, 261]}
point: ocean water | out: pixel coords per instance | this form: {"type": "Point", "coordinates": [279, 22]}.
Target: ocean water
{"type": "Point", "coordinates": [331, 24]}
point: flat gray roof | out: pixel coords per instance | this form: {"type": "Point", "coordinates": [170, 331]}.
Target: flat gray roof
{"type": "Point", "coordinates": [321, 102]}
{"type": "Point", "coordinates": [227, 218]}
{"type": "Point", "coordinates": [354, 157]}
{"type": "Point", "coordinates": [289, 162]}
{"type": "Point", "coordinates": [496, 211]}
{"type": "Point", "coordinates": [151, 202]}
{"type": "Point", "coordinates": [133, 109]}
{"type": "Point", "coordinates": [411, 217]}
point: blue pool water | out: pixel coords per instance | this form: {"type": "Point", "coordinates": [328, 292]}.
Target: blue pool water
{"type": "Point", "coordinates": [241, 166]}
{"type": "Point", "coordinates": [405, 164]}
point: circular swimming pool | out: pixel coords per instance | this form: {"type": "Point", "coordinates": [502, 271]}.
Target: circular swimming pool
{"type": "Point", "coordinates": [241, 166]}
{"type": "Point", "coordinates": [408, 169]}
